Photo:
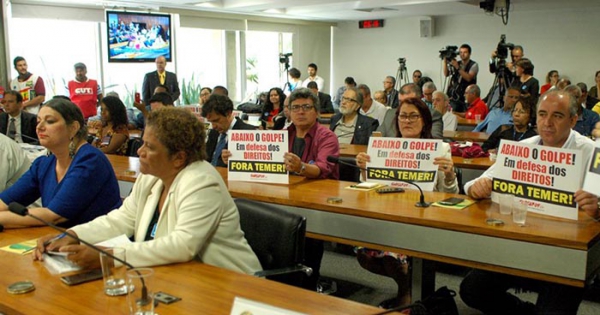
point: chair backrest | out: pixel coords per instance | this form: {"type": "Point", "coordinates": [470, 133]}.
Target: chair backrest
{"type": "Point", "coordinates": [275, 235]}
{"type": "Point", "coordinates": [133, 145]}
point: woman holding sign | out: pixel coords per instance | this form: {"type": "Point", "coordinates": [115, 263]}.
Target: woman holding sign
{"type": "Point", "coordinates": [413, 121]}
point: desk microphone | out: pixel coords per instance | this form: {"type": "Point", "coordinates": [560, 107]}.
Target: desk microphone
{"type": "Point", "coordinates": [352, 163]}
{"type": "Point", "coordinates": [19, 209]}
{"type": "Point", "coordinates": [14, 134]}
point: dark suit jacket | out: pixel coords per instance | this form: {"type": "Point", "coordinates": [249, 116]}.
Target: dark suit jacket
{"type": "Point", "coordinates": [325, 103]}
{"type": "Point", "coordinates": [28, 125]}
{"type": "Point", "coordinates": [213, 139]}
{"type": "Point", "coordinates": [151, 81]}
{"type": "Point", "coordinates": [393, 101]}
{"type": "Point", "coordinates": [364, 127]}
{"type": "Point", "coordinates": [388, 128]}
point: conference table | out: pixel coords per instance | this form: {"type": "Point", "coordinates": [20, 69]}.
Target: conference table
{"type": "Point", "coordinates": [480, 163]}
{"type": "Point", "coordinates": [204, 289]}
{"type": "Point", "coordinates": [472, 136]}
{"type": "Point", "coordinates": [546, 248]}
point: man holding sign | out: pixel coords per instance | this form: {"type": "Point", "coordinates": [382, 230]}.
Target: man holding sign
{"type": "Point", "coordinates": [218, 111]}
{"type": "Point", "coordinates": [486, 291]}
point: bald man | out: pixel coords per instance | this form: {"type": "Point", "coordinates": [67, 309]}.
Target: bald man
{"type": "Point", "coordinates": [159, 77]}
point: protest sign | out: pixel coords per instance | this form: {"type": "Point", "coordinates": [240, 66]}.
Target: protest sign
{"type": "Point", "coordinates": [592, 178]}
{"type": "Point", "coordinates": [400, 159]}
{"type": "Point", "coordinates": [545, 178]}
{"type": "Point", "coordinates": [257, 156]}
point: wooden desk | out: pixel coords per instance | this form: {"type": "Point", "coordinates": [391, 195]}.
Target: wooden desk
{"type": "Point", "coordinates": [351, 150]}
{"type": "Point", "coordinates": [204, 289]}
{"type": "Point", "coordinates": [392, 222]}
{"type": "Point", "coordinates": [326, 115]}
{"type": "Point", "coordinates": [466, 122]}
{"type": "Point", "coordinates": [472, 136]}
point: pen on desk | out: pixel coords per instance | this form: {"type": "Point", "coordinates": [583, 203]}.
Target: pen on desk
{"type": "Point", "coordinates": [59, 236]}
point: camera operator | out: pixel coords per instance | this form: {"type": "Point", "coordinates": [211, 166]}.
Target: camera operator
{"type": "Point", "coordinates": [464, 74]}
{"type": "Point", "coordinates": [516, 54]}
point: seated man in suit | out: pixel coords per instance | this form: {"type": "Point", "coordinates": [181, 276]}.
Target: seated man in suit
{"type": "Point", "coordinates": [350, 126]}
{"type": "Point", "coordinates": [218, 111]}
{"type": "Point", "coordinates": [16, 123]}
{"type": "Point", "coordinates": [324, 99]}
{"type": "Point", "coordinates": [388, 127]}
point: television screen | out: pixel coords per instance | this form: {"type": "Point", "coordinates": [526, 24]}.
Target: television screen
{"type": "Point", "coordinates": [138, 37]}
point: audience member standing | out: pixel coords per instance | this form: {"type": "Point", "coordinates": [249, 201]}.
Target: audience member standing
{"type": "Point", "coordinates": [464, 74]}
{"type": "Point", "coordinates": [30, 86]}
{"type": "Point", "coordinates": [293, 82]}
{"type": "Point", "coordinates": [15, 123]}
{"type": "Point", "coordinates": [160, 77]}
{"type": "Point", "coordinates": [390, 92]}
{"type": "Point", "coordinates": [313, 77]}
{"type": "Point", "coordinates": [84, 92]}
{"type": "Point", "coordinates": [551, 80]}
{"type": "Point", "coordinates": [525, 82]}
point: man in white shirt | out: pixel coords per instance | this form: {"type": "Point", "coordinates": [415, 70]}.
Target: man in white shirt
{"type": "Point", "coordinates": [370, 107]}
{"type": "Point", "coordinates": [556, 116]}
{"type": "Point", "coordinates": [312, 76]}
{"type": "Point", "coordinates": [441, 103]}
{"type": "Point", "coordinates": [13, 162]}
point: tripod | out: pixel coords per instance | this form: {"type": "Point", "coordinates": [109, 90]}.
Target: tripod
{"type": "Point", "coordinates": [501, 83]}
{"type": "Point", "coordinates": [401, 75]}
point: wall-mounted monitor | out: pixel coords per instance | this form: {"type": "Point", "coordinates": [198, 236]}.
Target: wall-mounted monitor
{"type": "Point", "coordinates": [138, 37]}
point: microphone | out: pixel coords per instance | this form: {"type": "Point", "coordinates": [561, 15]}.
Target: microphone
{"type": "Point", "coordinates": [14, 134]}
{"type": "Point", "coordinates": [21, 210]}
{"type": "Point", "coordinates": [348, 162]}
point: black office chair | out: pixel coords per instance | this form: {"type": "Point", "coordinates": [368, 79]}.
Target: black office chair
{"type": "Point", "coordinates": [459, 180]}
{"type": "Point", "coordinates": [133, 145]}
{"type": "Point", "coordinates": [277, 238]}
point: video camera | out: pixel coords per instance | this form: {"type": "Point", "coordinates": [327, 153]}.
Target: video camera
{"type": "Point", "coordinates": [449, 53]}
{"type": "Point", "coordinates": [503, 47]}
{"type": "Point", "coordinates": [285, 58]}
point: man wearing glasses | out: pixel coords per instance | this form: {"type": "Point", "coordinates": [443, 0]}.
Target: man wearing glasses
{"type": "Point", "coordinates": [309, 145]}
{"type": "Point", "coordinates": [500, 116]}
{"type": "Point", "coordinates": [390, 92]}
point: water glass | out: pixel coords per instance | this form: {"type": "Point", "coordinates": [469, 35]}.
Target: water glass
{"type": "Point", "coordinates": [519, 212]}
{"type": "Point", "coordinates": [506, 203]}
{"type": "Point", "coordinates": [140, 297]}
{"type": "Point", "coordinates": [113, 272]}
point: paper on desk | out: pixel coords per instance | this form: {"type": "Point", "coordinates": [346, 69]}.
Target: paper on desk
{"type": "Point", "coordinates": [459, 206]}
{"type": "Point", "coordinates": [57, 262]}
{"type": "Point", "coordinates": [243, 306]}
{"type": "Point", "coordinates": [22, 248]}
{"type": "Point", "coordinates": [366, 186]}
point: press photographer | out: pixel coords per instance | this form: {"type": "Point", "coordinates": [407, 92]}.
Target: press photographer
{"type": "Point", "coordinates": [499, 56]}
{"type": "Point", "coordinates": [462, 74]}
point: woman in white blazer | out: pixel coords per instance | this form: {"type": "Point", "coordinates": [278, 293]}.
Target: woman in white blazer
{"type": "Point", "coordinates": [179, 208]}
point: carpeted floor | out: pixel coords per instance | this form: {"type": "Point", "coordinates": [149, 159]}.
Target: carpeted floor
{"type": "Point", "coordinates": [357, 284]}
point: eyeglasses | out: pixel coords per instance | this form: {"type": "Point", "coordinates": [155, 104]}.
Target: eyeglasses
{"type": "Point", "coordinates": [519, 111]}
{"type": "Point", "coordinates": [304, 107]}
{"type": "Point", "coordinates": [411, 118]}
{"type": "Point", "coordinates": [347, 99]}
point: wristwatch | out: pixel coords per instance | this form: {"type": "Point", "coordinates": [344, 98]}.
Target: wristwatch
{"type": "Point", "coordinates": [302, 169]}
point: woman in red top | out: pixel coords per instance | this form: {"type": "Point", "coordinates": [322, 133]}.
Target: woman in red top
{"type": "Point", "coordinates": [551, 80]}
{"type": "Point", "coordinates": [273, 105]}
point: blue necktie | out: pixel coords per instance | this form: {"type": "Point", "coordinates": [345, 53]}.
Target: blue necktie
{"type": "Point", "coordinates": [220, 146]}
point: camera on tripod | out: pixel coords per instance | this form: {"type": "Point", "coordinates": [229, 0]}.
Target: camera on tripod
{"type": "Point", "coordinates": [449, 53]}
{"type": "Point", "coordinates": [503, 47]}
{"type": "Point", "coordinates": [285, 58]}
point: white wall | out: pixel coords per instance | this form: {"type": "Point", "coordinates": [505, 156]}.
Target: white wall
{"type": "Point", "coordinates": [567, 41]}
